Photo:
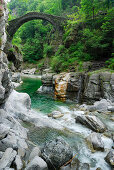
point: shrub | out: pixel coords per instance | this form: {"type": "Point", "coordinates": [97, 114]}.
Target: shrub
{"type": "Point", "coordinates": [110, 63]}
{"type": "Point", "coordinates": [48, 50]}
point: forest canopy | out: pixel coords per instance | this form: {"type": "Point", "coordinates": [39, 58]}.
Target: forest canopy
{"type": "Point", "coordinates": [88, 34]}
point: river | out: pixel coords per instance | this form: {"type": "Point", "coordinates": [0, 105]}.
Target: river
{"type": "Point", "coordinates": [73, 133]}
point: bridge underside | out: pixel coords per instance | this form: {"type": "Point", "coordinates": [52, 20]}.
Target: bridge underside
{"type": "Point", "coordinates": [14, 25]}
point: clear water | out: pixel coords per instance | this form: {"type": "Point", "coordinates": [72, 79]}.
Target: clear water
{"type": "Point", "coordinates": [73, 133]}
{"type": "Point", "coordinates": [41, 102]}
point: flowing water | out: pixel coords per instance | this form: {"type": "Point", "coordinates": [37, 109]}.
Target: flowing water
{"type": "Point", "coordinates": [73, 133]}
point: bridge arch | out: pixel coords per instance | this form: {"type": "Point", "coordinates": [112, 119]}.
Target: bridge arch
{"type": "Point", "coordinates": [14, 25]}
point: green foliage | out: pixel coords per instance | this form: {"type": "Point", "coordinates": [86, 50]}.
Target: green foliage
{"type": "Point", "coordinates": [48, 50]}
{"type": "Point", "coordinates": [88, 33]}
{"type": "Point", "coordinates": [30, 51]}
{"type": "Point", "coordinates": [110, 63]}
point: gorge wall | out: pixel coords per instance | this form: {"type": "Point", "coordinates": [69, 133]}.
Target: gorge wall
{"type": "Point", "coordinates": [81, 87]}
{"type": "Point", "coordinates": [5, 83]}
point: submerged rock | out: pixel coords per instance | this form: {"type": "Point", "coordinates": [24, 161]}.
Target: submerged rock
{"type": "Point", "coordinates": [8, 158]}
{"type": "Point", "coordinates": [56, 153]}
{"type": "Point", "coordinates": [95, 140]}
{"type": "Point", "coordinates": [91, 122]}
{"type": "Point", "coordinates": [84, 166]}
{"type": "Point", "coordinates": [37, 164]}
{"type": "Point", "coordinates": [110, 158]}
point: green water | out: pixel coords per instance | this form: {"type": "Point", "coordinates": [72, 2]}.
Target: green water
{"type": "Point", "coordinates": [40, 102]}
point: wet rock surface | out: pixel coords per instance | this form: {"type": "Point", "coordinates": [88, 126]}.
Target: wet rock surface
{"type": "Point", "coordinates": [110, 158]}
{"type": "Point", "coordinates": [81, 86]}
{"type": "Point", "coordinates": [91, 122]}
{"type": "Point", "coordinates": [56, 153]}
{"type": "Point", "coordinates": [95, 140]}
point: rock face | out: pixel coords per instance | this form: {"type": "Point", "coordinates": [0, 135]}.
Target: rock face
{"type": "Point", "coordinates": [61, 84]}
{"type": "Point", "coordinates": [81, 86]}
{"type": "Point", "coordinates": [91, 122]}
{"type": "Point", "coordinates": [5, 84]}
{"type": "Point", "coordinates": [14, 55]}
{"type": "Point", "coordinates": [56, 153]}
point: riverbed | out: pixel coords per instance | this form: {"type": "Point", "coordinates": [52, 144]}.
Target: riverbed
{"type": "Point", "coordinates": [73, 133]}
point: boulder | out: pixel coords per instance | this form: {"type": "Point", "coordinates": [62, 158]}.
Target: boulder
{"type": "Point", "coordinates": [47, 83]}
{"type": "Point", "coordinates": [16, 77]}
{"type": "Point", "coordinates": [4, 130]}
{"type": "Point", "coordinates": [18, 163]}
{"type": "Point", "coordinates": [111, 108]}
{"type": "Point", "coordinates": [13, 141]}
{"type": "Point", "coordinates": [91, 122]}
{"type": "Point", "coordinates": [102, 105]}
{"type": "Point", "coordinates": [19, 99]}
{"type": "Point", "coordinates": [56, 153]}
{"type": "Point", "coordinates": [83, 166]}
{"type": "Point", "coordinates": [37, 164]}
{"type": "Point", "coordinates": [110, 158]}
{"type": "Point", "coordinates": [8, 158]}
{"type": "Point", "coordinates": [29, 71]}
{"type": "Point", "coordinates": [57, 114]}
{"type": "Point", "coordinates": [47, 79]}
{"type": "Point", "coordinates": [45, 89]}
{"type": "Point", "coordinates": [96, 142]}
{"type": "Point", "coordinates": [35, 152]}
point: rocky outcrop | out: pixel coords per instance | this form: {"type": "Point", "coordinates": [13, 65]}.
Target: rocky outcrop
{"type": "Point", "coordinates": [99, 85]}
{"type": "Point", "coordinates": [61, 84]}
{"type": "Point", "coordinates": [47, 83]}
{"type": "Point", "coordinates": [56, 153]}
{"type": "Point", "coordinates": [14, 55]}
{"type": "Point", "coordinates": [80, 87]}
{"type": "Point", "coordinates": [5, 83]}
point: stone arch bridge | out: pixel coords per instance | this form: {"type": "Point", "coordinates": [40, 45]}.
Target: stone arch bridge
{"type": "Point", "coordinates": [14, 25]}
